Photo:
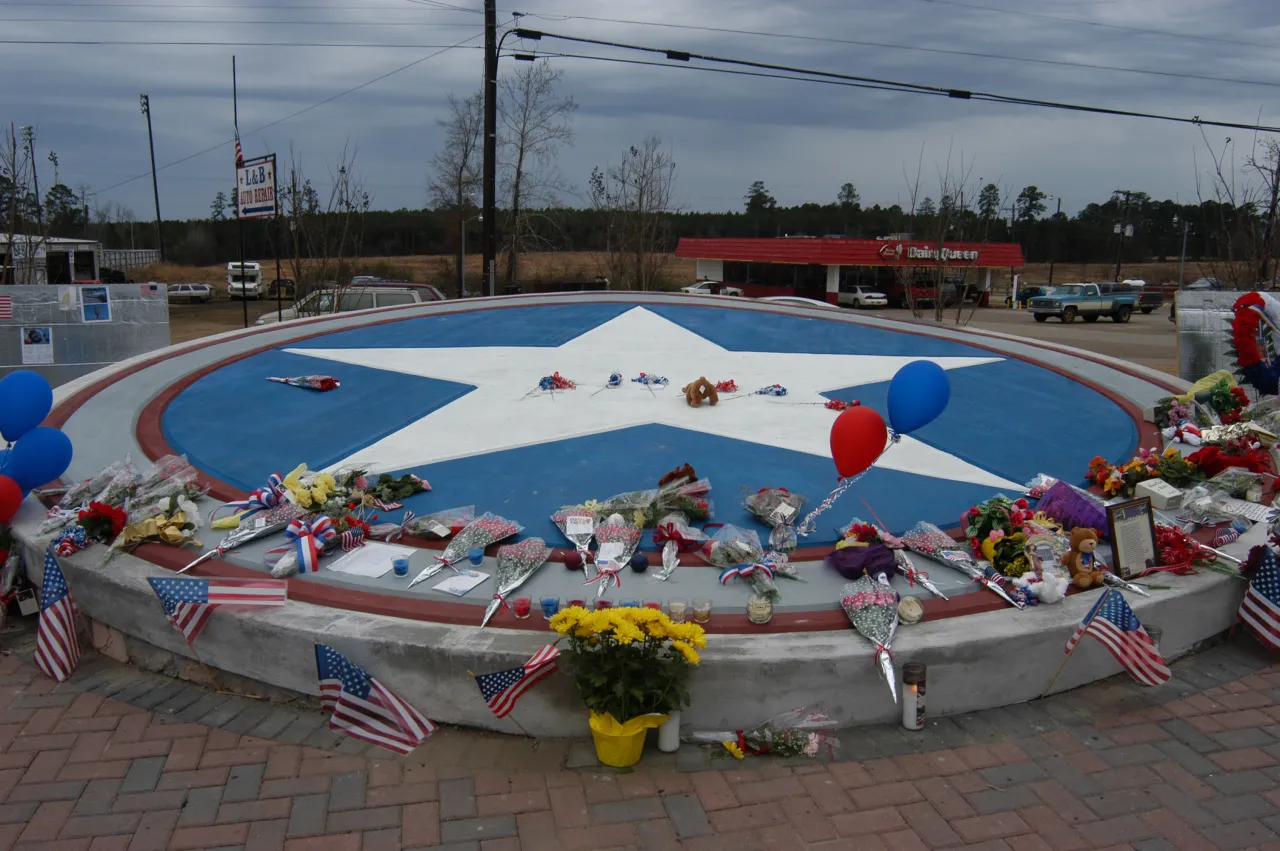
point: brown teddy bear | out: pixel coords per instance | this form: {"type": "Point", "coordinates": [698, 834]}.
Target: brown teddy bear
{"type": "Point", "coordinates": [1082, 562]}
{"type": "Point", "coordinates": [696, 391]}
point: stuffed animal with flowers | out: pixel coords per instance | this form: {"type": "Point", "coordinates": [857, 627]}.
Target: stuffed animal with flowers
{"type": "Point", "coordinates": [997, 515]}
{"type": "Point", "coordinates": [1082, 561]}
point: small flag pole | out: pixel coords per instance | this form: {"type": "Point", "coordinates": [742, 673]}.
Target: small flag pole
{"type": "Point", "coordinates": [510, 717]}
{"type": "Point", "coordinates": [1097, 607]}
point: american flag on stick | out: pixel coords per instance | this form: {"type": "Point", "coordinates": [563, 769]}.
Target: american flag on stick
{"type": "Point", "coordinates": [57, 644]}
{"type": "Point", "coordinates": [190, 601]}
{"type": "Point", "coordinates": [239, 153]}
{"type": "Point", "coordinates": [362, 707]}
{"type": "Point", "coordinates": [503, 689]}
{"type": "Point", "coordinates": [1112, 622]}
{"type": "Point", "coordinates": [1260, 610]}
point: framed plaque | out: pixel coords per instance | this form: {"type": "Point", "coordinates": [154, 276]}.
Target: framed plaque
{"type": "Point", "coordinates": [1132, 529]}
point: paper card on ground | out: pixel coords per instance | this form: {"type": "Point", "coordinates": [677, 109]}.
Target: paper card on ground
{"type": "Point", "coordinates": [438, 529]}
{"type": "Point", "coordinates": [373, 559]}
{"type": "Point", "coordinates": [461, 582]}
{"type": "Point", "coordinates": [1248, 510]}
{"type": "Point", "coordinates": [611, 551]}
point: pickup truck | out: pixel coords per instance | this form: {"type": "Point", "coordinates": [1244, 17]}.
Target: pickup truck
{"type": "Point", "coordinates": [1148, 300]}
{"type": "Point", "coordinates": [1088, 301]}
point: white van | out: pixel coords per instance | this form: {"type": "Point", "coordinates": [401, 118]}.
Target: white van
{"type": "Point", "coordinates": [246, 280]}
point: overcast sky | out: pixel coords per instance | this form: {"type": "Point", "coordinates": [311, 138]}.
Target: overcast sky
{"type": "Point", "coordinates": [803, 140]}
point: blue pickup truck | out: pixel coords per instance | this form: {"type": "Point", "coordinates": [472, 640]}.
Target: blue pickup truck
{"type": "Point", "coordinates": [1088, 301]}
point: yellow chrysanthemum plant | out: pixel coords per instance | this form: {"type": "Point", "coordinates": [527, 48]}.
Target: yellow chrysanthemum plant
{"type": "Point", "coordinates": [629, 662]}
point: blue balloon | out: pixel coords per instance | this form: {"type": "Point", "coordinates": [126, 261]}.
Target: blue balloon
{"type": "Point", "coordinates": [25, 400]}
{"type": "Point", "coordinates": [39, 457]}
{"type": "Point", "coordinates": [918, 393]}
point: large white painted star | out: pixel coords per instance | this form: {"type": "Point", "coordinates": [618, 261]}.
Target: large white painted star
{"type": "Point", "coordinates": [499, 414]}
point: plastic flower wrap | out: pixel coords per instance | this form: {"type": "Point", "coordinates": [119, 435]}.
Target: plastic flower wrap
{"type": "Point", "coordinates": [321, 383]}
{"type": "Point", "coordinates": [442, 524]}
{"type": "Point", "coordinates": [79, 494]}
{"type": "Point", "coordinates": [777, 508]}
{"type": "Point", "coordinates": [265, 522]}
{"type": "Point", "coordinates": [633, 505]}
{"type": "Point", "coordinates": [618, 540]}
{"type": "Point", "coordinates": [673, 527]}
{"type": "Point", "coordinates": [872, 606]}
{"type": "Point", "coordinates": [931, 542]}
{"type": "Point", "coordinates": [689, 498]}
{"type": "Point", "coordinates": [487, 529]}
{"type": "Point", "coordinates": [97, 522]}
{"type": "Point", "coordinates": [1235, 481]}
{"type": "Point", "coordinates": [516, 563]}
{"type": "Point", "coordinates": [174, 524]}
{"type": "Point", "coordinates": [800, 732]}
{"type": "Point", "coordinates": [578, 524]}
{"type": "Point", "coordinates": [1073, 507]}
{"type": "Point", "coordinates": [998, 514]}
{"type": "Point", "coordinates": [732, 545]}
{"type": "Point", "coordinates": [356, 489]}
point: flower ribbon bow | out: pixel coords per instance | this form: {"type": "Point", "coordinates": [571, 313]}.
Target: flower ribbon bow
{"type": "Point", "coordinates": [672, 532]}
{"type": "Point", "coordinates": [268, 497]}
{"type": "Point", "coordinates": [72, 540]}
{"type": "Point", "coordinates": [604, 573]}
{"type": "Point", "coordinates": [168, 529]}
{"type": "Point", "coordinates": [745, 571]}
{"type": "Point", "coordinates": [309, 540]}
{"type": "Point", "coordinates": [404, 525]}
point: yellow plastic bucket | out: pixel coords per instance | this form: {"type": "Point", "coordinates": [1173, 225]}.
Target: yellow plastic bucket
{"type": "Point", "coordinates": [621, 744]}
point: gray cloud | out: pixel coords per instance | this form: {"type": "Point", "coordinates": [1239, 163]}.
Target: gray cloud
{"type": "Point", "coordinates": [804, 140]}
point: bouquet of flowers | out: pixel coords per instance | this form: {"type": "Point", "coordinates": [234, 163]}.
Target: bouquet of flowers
{"type": "Point", "coordinates": [872, 606]}
{"type": "Point", "coordinates": [384, 492]}
{"type": "Point", "coordinates": [487, 529]}
{"type": "Point", "coordinates": [310, 489]}
{"type": "Point", "coordinates": [1147, 464]}
{"type": "Point", "coordinates": [687, 497]}
{"type": "Point", "coordinates": [320, 383]}
{"type": "Point", "coordinates": [314, 539]}
{"type": "Point", "coordinates": [442, 524]}
{"type": "Point", "coordinates": [81, 493]}
{"type": "Point", "coordinates": [1072, 507]}
{"type": "Point", "coordinates": [1228, 401]}
{"type": "Point", "coordinates": [618, 540]}
{"type": "Point", "coordinates": [265, 522]}
{"type": "Point", "coordinates": [674, 528]}
{"type": "Point", "coordinates": [1235, 481]}
{"type": "Point", "coordinates": [998, 514]}
{"type": "Point", "coordinates": [634, 505]}
{"type": "Point", "coordinates": [931, 542]}
{"type": "Point", "coordinates": [578, 524]}
{"type": "Point", "coordinates": [174, 523]}
{"type": "Point", "coordinates": [800, 732]}
{"type": "Point", "coordinates": [98, 522]}
{"type": "Point", "coordinates": [778, 509]}
{"type": "Point", "coordinates": [733, 545]}
{"type": "Point", "coordinates": [516, 563]}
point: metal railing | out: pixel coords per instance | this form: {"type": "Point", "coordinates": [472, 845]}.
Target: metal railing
{"type": "Point", "coordinates": [125, 259]}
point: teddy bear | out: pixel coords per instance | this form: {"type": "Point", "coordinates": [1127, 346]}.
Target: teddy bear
{"type": "Point", "coordinates": [696, 391]}
{"type": "Point", "coordinates": [679, 474]}
{"type": "Point", "coordinates": [1082, 562]}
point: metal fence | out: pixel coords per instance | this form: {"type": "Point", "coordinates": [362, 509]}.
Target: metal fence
{"type": "Point", "coordinates": [63, 332]}
{"type": "Point", "coordinates": [126, 259]}
{"type": "Point", "coordinates": [1204, 332]}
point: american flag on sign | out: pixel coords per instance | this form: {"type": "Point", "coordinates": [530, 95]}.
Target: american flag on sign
{"type": "Point", "coordinates": [1260, 610]}
{"type": "Point", "coordinates": [189, 601]}
{"type": "Point", "coordinates": [364, 708]}
{"type": "Point", "coordinates": [1112, 622]}
{"type": "Point", "coordinates": [57, 644]}
{"type": "Point", "coordinates": [503, 689]}
{"type": "Point", "coordinates": [6, 307]}
{"type": "Point", "coordinates": [239, 153]}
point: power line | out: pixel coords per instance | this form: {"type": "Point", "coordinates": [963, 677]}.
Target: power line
{"type": "Point", "coordinates": [243, 7]}
{"type": "Point", "coordinates": [1062, 63]}
{"type": "Point", "coordinates": [1081, 21]}
{"type": "Point", "coordinates": [291, 115]}
{"type": "Point", "coordinates": [912, 88]}
{"type": "Point", "coordinates": [227, 22]}
{"type": "Point", "coordinates": [97, 42]}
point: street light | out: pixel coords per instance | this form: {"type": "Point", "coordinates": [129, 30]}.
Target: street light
{"type": "Point", "coordinates": [462, 273]}
{"type": "Point", "coordinates": [1182, 255]}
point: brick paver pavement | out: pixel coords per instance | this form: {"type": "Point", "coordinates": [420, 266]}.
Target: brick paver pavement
{"type": "Point", "coordinates": [120, 759]}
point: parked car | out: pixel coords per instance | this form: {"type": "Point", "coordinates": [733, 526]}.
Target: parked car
{"type": "Point", "coordinates": [798, 301]}
{"type": "Point", "coordinates": [244, 281]}
{"type": "Point", "coordinates": [1025, 294]}
{"type": "Point", "coordinates": [1206, 284]}
{"type": "Point", "coordinates": [363, 297]}
{"type": "Point", "coordinates": [282, 287]}
{"type": "Point", "coordinates": [860, 296]}
{"type": "Point", "coordinates": [711, 288]}
{"type": "Point", "coordinates": [1088, 301]}
{"type": "Point", "coordinates": [1148, 300]}
{"type": "Point", "coordinates": [190, 292]}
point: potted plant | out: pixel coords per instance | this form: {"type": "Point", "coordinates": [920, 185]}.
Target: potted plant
{"type": "Point", "coordinates": [630, 666]}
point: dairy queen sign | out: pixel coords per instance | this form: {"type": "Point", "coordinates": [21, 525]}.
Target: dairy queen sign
{"type": "Point", "coordinates": [896, 252]}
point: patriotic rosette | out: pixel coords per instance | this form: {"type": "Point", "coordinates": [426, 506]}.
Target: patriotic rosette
{"type": "Point", "coordinates": [307, 543]}
{"type": "Point", "coordinates": [759, 575]}
{"type": "Point", "coordinates": [778, 509]}
{"type": "Point", "coordinates": [257, 500]}
{"type": "Point", "coordinates": [872, 607]}
{"type": "Point", "coordinates": [516, 563]}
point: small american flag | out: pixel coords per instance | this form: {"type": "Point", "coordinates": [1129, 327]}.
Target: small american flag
{"type": "Point", "coordinates": [189, 601]}
{"type": "Point", "coordinates": [364, 708]}
{"type": "Point", "coordinates": [6, 307]}
{"type": "Point", "coordinates": [239, 153]}
{"type": "Point", "coordinates": [1260, 610]}
{"type": "Point", "coordinates": [1112, 622]}
{"type": "Point", "coordinates": [503, 689]}
{"type": "Point", "coordinates": [57, 644]}
{"type": "Point", "coordinates": [151, 288]}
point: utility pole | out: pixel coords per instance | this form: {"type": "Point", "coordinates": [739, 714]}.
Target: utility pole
{"type": "Point", "coordinates": [235, 119]}
{"type": "Point", "coordinates": [155, 186]}
{"type": "Point", "coordinates": [1053, 257]}
{"type": "Point", "coordinates": [1123, 229]}
{"type": "Point", "coordinates": [490, 234]}
{"type": "Point", "coordinates": [29, 136]}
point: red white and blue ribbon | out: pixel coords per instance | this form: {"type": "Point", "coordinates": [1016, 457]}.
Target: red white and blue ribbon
{"type": "Point", "coordinates": [745, 571]}
{"type": "Point", "coordinates": [268, 497]}
{"type": "Point", "coordinates": [404, 524]}
{"type": "Point", "coordinates": [309, 540]}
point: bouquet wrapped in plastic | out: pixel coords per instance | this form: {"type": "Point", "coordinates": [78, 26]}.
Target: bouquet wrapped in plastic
{"type": "Point", "coordinates": [356, 489]}
{"type": "Point", "coordinates": [635, 506]}
{"type": "Point", "coordinates": [578, 524]}
{"type": "Point", "coordinates": [777, 508]}
{"type": "Point", "coordinates": [312, 539]}
{"type": "Point", "coordinates": [732, 545]}
{"type": "Point", "coordinates": [268, 521]}
{"type": "Point", "coordinates": [674, 528]}
{"type": "Point", "coordinates": [1235, 482]}
{"type": "Point", "coordinates": [687, 497]}
{"type": "Point", "coordinates": [319, 383]}
{"type": "Point", "coordinates": [487, 529]}
{"type": "Point", "coordinates": [442, 524]}
{"type": "Point", "coordinates": [618, 540]}
{"type": "Point", "coordinates": [801, 732]}
{"type": "Point", "coordinates": [516, 563]}
{"type": "Point", "coordinates": [872, 607]}
{"type": "Point", "coordinates": [1072, 507]}
{"type": "Point", "coordinates": [79, 494]}
{"type": "Point", "coordinates": [931, 542]}
{"type": "Point", "coordinates": [173, 522]}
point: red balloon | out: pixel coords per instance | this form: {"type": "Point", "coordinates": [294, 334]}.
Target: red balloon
{"type": "Point", "coordinates": [858, 436]}
{"type": "Point", "coordinates": [10, 498]}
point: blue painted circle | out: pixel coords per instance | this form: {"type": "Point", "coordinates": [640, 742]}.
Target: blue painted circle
{"type": "Point", "coordinates": [1012, 418]}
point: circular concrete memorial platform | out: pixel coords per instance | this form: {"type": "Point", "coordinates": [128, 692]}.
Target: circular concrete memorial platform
{"type": "Point", "coordinates": [449, 391]}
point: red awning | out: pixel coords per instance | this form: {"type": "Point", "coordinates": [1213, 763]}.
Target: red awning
{"type": "Point", "coordinates": [852, 252]}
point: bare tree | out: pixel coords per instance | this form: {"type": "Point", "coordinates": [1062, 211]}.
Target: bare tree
{"type": "Point", "coordinates": [1240, 208]}
{"type": "Point", "coordinates": [455, 171]}
{"type": "Point", "coordinates": [24, 227]}
{"type": "Point", "coordinates": [634, 201]}
{"type": "Point", "coordinates": [536, 122]}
